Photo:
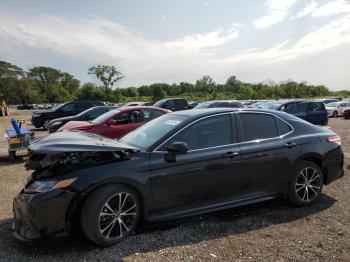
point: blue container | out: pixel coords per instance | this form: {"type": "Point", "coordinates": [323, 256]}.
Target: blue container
{"type": "Point", "coordinates": [15, 126]}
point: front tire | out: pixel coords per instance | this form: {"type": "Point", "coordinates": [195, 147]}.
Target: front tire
{"type": "Point", "coordinates": [110, 214]}
{"type": "Point", "coordinates": [335, 114]}
{"type": "Point", "coordinates": [305, 185]}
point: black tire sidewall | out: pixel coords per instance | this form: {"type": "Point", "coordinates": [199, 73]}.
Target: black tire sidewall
{"type": "Point", "coordinates": [91, 211]}
{"type": "Point", "coordinates": [292, 194]}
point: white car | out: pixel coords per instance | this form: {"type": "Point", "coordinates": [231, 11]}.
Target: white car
{"type": "Point", "coordinates": [336, 109]}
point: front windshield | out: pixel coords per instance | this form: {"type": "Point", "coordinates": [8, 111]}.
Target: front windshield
{"type": "Point", "coordinates": [271, 105]}
{"type": "Point", "coordinates": [85, 111]}
{"type": "Point", "coordinates": [159, 103]}
{"type": "Point", "coordinates": [149, 133]}
{"type": "Point", "coordinates": [102, 118]}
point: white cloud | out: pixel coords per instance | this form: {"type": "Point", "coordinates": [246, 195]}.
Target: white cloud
{"type": "Point", "coordinates": [308, 9]}
{"type": "Point", "coordinates": [206, 4]}
{"type": "Point", "coordinates": [277, 11]}
{"type": "Point", "coordinates": [332, 8]}
{"type": "Point", "coordinates": [331, 35]}
{"type": "Point", "coordinates": [92, 40]}
{"type": "Point", "coordinates": [198, 41]}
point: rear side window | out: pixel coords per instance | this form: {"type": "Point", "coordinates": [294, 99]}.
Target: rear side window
{"type": "Point", "coordinates": [314, 107]}
{"type": "Point", "coordinates": [209, 132]}
{"type": "Point", "coordinates": [283, 127]}
{"type": "Point", "coordinates": [258, 126]}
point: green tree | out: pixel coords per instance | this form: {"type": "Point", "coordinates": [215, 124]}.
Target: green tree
{"type": "Point", "coordinates": [46, 78]}
{"type": "Point", "coordinates": [108, 75]}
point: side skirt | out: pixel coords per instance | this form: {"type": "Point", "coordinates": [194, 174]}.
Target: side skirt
{"type": "Point", "coordinates": [247, 200]}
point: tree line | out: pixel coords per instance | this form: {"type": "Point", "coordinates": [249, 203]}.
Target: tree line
{"type": "Point", "coordinates": [41, 84]}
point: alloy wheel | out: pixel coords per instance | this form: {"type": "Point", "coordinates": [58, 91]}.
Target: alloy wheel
{"type": "Point", "coordinates": [46, 124]}
{"type": "Point", "coordinates": [308, 184]}
{"type": "Point", "coordinates": [118, 215]}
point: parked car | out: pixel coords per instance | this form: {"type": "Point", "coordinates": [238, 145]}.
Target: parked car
{"type": "Point", "coordinates": [87, 115]}
{"type": "Point", "coordinates": [281, 105]}
{"type": "Point", "coordinates": [346, 114]}
{"type": "Point", "coordinates": [311, 111]}
{"type": "Point", "coordinates": [25, 107]}
{"type": "Point", "coordinates": [219, 103]}
{"type": "Point", "coordinates": [43, 118]}
{"type": "Point", "coordinates": [177, 165]}
{"type": "Point", "coordinates": [173, 104]}
{"type": "Point", "coordinates": [329, 100]}
{"type": "Point", "coordinates": [118, 122]}
{"type": "Point", "coordinates": [336, 109]}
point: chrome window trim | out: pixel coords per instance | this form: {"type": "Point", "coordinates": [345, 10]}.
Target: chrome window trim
{"type": "Point", "coordinates": [229, 113]}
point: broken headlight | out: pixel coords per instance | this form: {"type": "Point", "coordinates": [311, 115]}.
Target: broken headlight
{"type": "Point", "coordinates": [44, 186]}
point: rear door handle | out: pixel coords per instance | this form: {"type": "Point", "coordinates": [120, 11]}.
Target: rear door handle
{"type": "Point", "coordinates": [231, 154]}
{"type": "Point", "coordinates": [290, 144]}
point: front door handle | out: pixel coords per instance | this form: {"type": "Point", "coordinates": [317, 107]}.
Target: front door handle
{"type": "Point", "coordinates": [231, 154]}
{"type": "Point", "coordinates": [290, 144]}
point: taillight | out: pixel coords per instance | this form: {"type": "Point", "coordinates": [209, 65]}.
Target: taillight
{"type": "Point", "coordinates": [335, 139]}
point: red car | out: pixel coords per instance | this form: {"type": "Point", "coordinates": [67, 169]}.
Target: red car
{"type": "Point", "coordinates": [117, 123]}
{"type": "Point", "coordinates": [346, 113]}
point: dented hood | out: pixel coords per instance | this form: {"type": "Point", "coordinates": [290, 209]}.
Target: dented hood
{"type": "Point", "coordinates": [76, 141]}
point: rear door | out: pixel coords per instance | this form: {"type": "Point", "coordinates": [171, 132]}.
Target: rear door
{"type": "Point", "coordinates": [210, 172]}
{"type": "Point", "coordinates": [317, 113]}
{"type": "Point", "coordinates": [265, 155]}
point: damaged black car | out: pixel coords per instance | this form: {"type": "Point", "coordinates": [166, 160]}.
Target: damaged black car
{"type": "Point", "coordinates": [180, 164]}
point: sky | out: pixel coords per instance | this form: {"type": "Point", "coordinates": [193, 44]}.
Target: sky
{"type": "Point", "coordinates": [180, 41]}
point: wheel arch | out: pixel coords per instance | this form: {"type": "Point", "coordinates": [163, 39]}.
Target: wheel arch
{"type": "Point", "coordinates": [317, 159]}
{"type": "Point", "coordinates": [74, 209]}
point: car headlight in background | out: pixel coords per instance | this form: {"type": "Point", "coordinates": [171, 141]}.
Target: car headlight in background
{"type": "Point", "coordinates": [44, 186]}
{"type": "Point", "coordinates": [36, 115]}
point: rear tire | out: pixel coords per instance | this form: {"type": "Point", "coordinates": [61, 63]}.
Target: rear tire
{"type": "Point", "coordinates": [110, 214]}
{"type": "Point", "coordinates": [305, 185]}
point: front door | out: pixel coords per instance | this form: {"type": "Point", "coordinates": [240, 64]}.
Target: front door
{"type": "Point", "coordinates": [210, 172]}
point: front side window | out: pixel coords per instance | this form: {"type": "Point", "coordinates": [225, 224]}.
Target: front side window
{"type": "Point", "coordinates": [258, 126]}
{"type": "Point", "coordinates": [209, 132]}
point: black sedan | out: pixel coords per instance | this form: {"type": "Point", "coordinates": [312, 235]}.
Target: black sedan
{"type": "Point", "coordinates": [87, 115]}
{"type": "Point", "coordinates": [180, 164]}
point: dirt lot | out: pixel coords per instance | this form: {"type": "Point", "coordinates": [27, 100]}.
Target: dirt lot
{"type": "Point", "coordinates": [271, 231]}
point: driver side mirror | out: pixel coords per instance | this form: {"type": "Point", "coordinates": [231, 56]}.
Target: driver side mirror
{"type": "Point", "coordinates": [174, 149]}
{"type": "Point", "coordinates": [111, 122]}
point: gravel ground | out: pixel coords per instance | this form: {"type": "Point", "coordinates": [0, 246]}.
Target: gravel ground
{"type": "Point", "coordinates": [271, 231]}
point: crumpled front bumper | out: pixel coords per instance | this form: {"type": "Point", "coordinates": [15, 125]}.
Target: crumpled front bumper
{"type": "Point", "coordinates": [40, 215]}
